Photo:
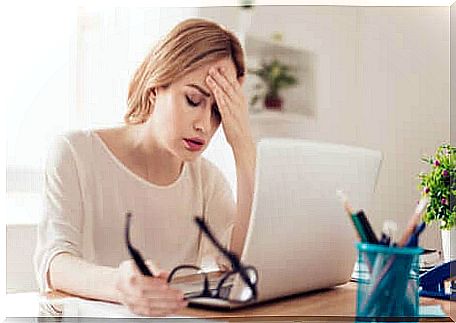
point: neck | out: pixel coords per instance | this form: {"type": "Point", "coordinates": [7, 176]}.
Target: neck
{"type": "Point", "coordinates": [160, 165]}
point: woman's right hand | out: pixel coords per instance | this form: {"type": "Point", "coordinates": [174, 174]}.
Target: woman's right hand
{"type": "Point", "coordinates": [149, 296]}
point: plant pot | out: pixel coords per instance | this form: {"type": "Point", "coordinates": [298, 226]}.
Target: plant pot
{"type": "Point", "coordinates": [273, 103]}
{"type": "Point", "coordinates": [449, 244]}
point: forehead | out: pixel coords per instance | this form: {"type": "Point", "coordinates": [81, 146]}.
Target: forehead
{"type": "Point", "coordinates": [199, 75]}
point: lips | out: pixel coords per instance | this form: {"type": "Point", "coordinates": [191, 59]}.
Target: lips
{"type": "Point", "coordinates": [194, 144]}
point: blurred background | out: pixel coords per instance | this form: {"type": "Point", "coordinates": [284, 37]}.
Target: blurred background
{"type": "Point", "coordinates": [370, 76]}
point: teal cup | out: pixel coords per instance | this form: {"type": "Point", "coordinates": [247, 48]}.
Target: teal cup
{"type": "Point", "coordinates": [389, 281]}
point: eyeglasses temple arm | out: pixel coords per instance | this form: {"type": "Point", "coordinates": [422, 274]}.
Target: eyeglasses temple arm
{"type": "Point", "coordinates": [230, 255]}
{"type": "Point", "coordinates": [139, 261]}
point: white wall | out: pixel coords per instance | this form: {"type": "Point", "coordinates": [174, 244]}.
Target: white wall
{"type": "Point", "coordinates": [381, 81]}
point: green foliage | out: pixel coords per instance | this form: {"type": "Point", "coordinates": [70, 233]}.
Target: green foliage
{"type": "Point", "coordinates": [439, 185]}
{"type": "Point", "coordinates": [275, 77]}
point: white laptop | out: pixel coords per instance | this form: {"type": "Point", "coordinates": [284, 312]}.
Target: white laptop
{"type": "Point", "coordinates": [299, 238]}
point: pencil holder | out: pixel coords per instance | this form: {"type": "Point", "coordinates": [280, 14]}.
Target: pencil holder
{"type": "Point", "coordinates": [388, 285]}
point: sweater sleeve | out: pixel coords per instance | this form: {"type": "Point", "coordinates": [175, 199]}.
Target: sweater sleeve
{"type": "Point", "coordinates": [219, 212]}
{"type": "Point", "coordinates": [60, 227]}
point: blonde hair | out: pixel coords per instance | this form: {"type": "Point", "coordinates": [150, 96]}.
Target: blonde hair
{"type": "Point", "coordinates": [190, 45]}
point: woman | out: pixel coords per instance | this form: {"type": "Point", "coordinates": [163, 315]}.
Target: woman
{"type": "Point", "coordinates": [187, 86]}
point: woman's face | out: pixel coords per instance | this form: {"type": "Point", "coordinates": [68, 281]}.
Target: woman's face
{"type": "Point", "coordinates": [185, 114]}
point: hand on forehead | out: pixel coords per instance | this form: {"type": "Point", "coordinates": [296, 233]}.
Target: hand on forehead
{"type": "Point", "coordinates": [227, 64]}
{"type": "Point", "coordinates": [198, 76]}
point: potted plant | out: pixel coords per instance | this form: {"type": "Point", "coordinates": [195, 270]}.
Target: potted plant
{"type": "Point", "coordinates": [275, 76]}
{"type": "Point", "coordinates": [439, 185]}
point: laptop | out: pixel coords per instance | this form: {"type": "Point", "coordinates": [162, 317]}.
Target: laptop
{"type": "Point", "coordinates": [300, 239]}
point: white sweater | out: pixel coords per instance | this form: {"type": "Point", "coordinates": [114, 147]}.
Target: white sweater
{"type": "Point", "coordinates": [88, 191]}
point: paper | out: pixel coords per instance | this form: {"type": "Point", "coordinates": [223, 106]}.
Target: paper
{"type": "Point", "coordinates": [77, 307]}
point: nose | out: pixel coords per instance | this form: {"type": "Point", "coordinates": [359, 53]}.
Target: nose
{"type": "Point", "coordinates": [203, 121]}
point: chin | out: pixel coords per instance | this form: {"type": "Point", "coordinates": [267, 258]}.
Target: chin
{"type": "Point", "coordinates": [191, 156]}
{"type": "Point", "coordinates": [188, 156]}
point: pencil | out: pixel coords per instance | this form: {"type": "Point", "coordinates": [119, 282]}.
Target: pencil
{"type": "Point", "coordinates": [343, 198]}
{"type": "Point", "coordinates": [360, 221]}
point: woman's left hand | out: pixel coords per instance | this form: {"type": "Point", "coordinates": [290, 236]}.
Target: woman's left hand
{"type": "Point", "coordinates": [233, 108]}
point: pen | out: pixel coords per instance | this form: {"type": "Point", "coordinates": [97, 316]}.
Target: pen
{"type": "Point", "coordinates": [139, 261]}
{"type": "Point", "coordinates": [413, 222]}
{"type": "Point", "coordinates": [367, 228]}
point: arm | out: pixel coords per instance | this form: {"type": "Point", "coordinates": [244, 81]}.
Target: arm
{"type": "Point", "coordinates": [233, 108]}
{"type": "Point", "coordinates": [245, 156]}
{"type": "Point", "coordinates": [58, 256]}
{"type": "Point", "coordinates": [78, 277]}
{"type": "Point", "coordinates": [142, 295]}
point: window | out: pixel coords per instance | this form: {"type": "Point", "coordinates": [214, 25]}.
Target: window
{"type": "Point", "coordinates": [39, 99]}
{"type": "Point", "coordinates": [69, 68]}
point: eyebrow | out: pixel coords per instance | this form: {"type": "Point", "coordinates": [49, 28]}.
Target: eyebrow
{"type": "Point", "coordinates": [200, 89]}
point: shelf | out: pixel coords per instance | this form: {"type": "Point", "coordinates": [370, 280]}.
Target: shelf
{"type": "Point", "coordinates": [299, 99]}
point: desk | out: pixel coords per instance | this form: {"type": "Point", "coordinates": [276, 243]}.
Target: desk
{"type": "Point", "coordinates": [339, 301]}
{"type": "Point", "coordinates": [336, 304]}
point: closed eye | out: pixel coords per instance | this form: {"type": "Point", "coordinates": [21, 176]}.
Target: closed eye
{"type": "Point", "coordinates": [192, 103]}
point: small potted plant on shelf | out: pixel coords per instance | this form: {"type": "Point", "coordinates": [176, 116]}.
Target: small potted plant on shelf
{"type": "Point", "coordinates": [275, 76]}
{"type": "Point", "coordinates": [439, 185]}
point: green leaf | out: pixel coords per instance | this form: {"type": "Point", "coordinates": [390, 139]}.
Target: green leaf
{"type": "Point", "coordinates": [440, 186]}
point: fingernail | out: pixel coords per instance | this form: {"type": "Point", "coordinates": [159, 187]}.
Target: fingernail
{"type": "Point", "coordinates": [212, 70]}
{"type": "Point", "coordinates": [210, 80]}
{"type": "Point", "coordinates": [222, 69]}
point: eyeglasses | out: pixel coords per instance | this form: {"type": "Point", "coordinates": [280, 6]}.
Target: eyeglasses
{"type": "Point", "coordinates": [134, 252]}
{"type": "Point", "coordinates": [245, 278]}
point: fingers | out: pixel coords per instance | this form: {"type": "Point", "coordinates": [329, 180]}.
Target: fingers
{"type": "Point", "coordinates": [163, 274]}
{"type": "Point", "coordinates": [227, 90]}
{"type": "Point", "coordinates": [147, 287]}
{"type": "Point", "coordinates": [154, 302]}
{"type": "Point", "coordinates": [234, 82]}
{"type": "Point", "coordinates": [152, 267]}
{"type": "Point", "coordinates": [156, 270]}
{"type": "Point", "coordinates": [222, 81]}
{"type": "Point", "coordinates": [232, 104]}
{"type": "Point", "coordinates": [150, 296]}
{"type": "Point", "coordinates": [220, 97]}
{"type": "Point", "coordinates": [155, 308]}
{"type": "Point", "coordinates": [147, 311]}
